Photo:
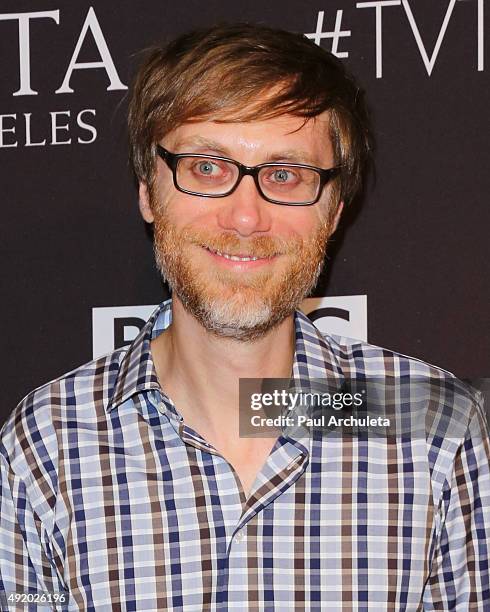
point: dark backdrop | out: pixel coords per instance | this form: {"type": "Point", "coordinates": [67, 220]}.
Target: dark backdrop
{"type": "Point", "coordinates": [71, 236]}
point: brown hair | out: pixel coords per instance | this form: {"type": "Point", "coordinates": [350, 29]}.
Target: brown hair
{"type": "Point", "coordinates": [246, 72]}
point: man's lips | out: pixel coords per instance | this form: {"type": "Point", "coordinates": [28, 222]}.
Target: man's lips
{"type": "Point", "coordinates": [240, 259]}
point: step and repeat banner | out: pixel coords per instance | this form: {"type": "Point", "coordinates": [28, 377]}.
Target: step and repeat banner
{"type": "Point", "coordinates": [409, 266]}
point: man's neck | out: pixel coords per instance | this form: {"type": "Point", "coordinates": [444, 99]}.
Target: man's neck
{"type": "Point", "coordinates": [200, 371]}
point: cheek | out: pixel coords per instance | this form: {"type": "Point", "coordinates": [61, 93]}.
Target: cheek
{"type": "Point", "coordinates": [189, 210]}
{"type": "Point", "coordinates": [160, 193]}
{"type": "Point", "coordinates": [302, 222]}
{"type": "Point", "coordinates": [185, 212]}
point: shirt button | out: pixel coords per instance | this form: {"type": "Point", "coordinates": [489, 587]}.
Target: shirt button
{"type": "Point", "coordinates": [239, 536]}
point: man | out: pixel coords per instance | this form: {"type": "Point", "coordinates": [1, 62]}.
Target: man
{"type": "Point", "coordinates": [127, 485]}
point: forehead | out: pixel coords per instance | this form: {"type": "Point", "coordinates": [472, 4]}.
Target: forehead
{"type": "Point", "coordinates": [251, 140]}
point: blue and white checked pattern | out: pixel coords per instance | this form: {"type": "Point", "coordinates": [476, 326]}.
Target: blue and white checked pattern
{"type": "Point", "coordinates": [108, 496]}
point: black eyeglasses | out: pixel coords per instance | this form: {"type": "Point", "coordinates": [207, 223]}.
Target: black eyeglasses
{"type": "Point", "coordinates": [212, 176]}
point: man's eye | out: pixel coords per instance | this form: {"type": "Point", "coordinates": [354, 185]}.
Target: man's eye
{"type": "Point", "coordinates": [207, 168]}
{"type": "Point", "coordinates": [282, 176]}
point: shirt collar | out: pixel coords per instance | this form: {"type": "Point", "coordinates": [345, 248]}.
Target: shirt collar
{"type": "Point", "coordinates": [137, 371]}
{"type": "Point", "coordinates": [313, 358]}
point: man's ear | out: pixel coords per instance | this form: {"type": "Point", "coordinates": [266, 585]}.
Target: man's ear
{"type": "Point", "coordinates": [336, 218]}
{"type": "Point", "coordinates": [145, 208]}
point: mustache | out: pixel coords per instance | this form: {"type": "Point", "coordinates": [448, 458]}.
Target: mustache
{"type": "Point", "coordinates": [257, 246]}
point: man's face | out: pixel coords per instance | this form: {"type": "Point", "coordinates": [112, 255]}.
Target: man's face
{"type": "Point", "coordinates": [195, 236]}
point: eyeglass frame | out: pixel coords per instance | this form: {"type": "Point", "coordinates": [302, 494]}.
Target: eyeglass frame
{"type": "Point", "coordinates": [172, 160]}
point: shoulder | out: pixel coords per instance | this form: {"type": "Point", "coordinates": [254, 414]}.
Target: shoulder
{"type": "Point", "coordinates": [33, 426]}
{"type": "Point", "coordinates": [359, 357]}
{"type": "Point", "coordinates": [439, 408]}
{"type": "Point", "coordinates": [437, 389]}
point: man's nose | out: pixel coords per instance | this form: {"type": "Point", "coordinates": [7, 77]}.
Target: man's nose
{"type": "Point", "coordinates": [245, 210]}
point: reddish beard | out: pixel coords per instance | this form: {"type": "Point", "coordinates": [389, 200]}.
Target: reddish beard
{"type": "Point", "coordinates": [232, 304]}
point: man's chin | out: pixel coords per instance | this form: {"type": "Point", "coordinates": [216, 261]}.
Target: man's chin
{"type": "Point", "coordinates": [232, 314]}
{"type": "Point", "coordinates": [242, 315]}
{"type": "Point", "coordinates": [227, 304]}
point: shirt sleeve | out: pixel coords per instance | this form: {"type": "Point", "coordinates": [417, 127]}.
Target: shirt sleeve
{"type": "Point", "coordinates": [24, 565]}
{"type": "Point", "coordinates": [459, 577]}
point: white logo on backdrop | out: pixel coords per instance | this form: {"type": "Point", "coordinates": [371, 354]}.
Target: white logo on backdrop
{"type": "Point", "coordinates": [116, 326]}
{"type": "Point", "coordinates": [66, 126]}
{"type": "Point", "coordinates": [343, 315]}
{"type": "Point", "coordinates": [429, 58]}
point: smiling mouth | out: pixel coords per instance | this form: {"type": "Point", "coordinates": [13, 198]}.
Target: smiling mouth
{"type": "Point", "coordinates": [230, 257]}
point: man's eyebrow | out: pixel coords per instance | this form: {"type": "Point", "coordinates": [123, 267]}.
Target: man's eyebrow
{"type": "Point", "coordinates": [297, 156]}
{"type": "Point", "coordinates": [199, 142]}
{"type": "Point", "coordinates": [188, 145]}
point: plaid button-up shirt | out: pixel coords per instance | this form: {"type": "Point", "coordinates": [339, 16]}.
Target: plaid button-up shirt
{"type": "Point", "coordinates": [109, 497]}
